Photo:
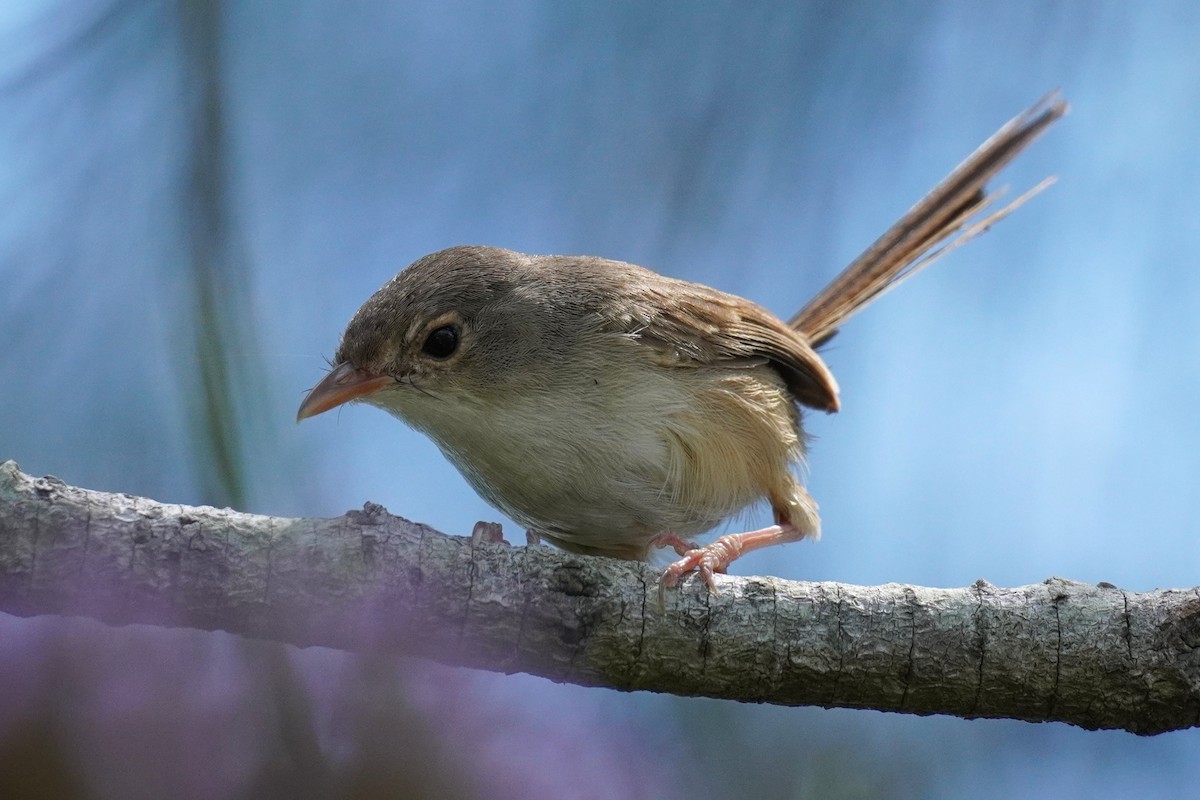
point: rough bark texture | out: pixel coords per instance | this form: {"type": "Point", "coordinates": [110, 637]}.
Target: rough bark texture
{"type": "Point", "coordinates": [1093, 656]}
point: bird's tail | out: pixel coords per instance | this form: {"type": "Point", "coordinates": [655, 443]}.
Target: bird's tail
{"type": "Point", "coordinates": [950, 215]}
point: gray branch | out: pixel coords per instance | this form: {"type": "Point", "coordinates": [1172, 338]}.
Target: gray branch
{"type": "Point", "coordinates": [1092, 656]}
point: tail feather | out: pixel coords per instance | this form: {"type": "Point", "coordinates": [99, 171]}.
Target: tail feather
{"type": "Point", "coordinates": [949, 216]}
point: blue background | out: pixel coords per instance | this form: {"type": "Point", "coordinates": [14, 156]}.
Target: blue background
{"type": "Point", "coordinates": [1024, 409]}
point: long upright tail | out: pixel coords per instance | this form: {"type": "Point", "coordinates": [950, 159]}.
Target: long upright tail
{"type": "Point", "coordinates": [949, 216]}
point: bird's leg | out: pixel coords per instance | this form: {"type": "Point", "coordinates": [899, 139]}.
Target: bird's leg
{"type": "Point", "coordinates": [717, 557]}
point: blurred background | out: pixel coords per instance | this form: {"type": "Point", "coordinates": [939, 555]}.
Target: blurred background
{"type": "Point", "coordinates": [196, 196]}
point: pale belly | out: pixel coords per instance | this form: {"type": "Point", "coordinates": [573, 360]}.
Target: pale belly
{"type": "Point", "coordinates": [604, 474]}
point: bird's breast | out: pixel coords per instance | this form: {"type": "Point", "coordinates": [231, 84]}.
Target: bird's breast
{"type": "Point", "coordinates": [606, 460]}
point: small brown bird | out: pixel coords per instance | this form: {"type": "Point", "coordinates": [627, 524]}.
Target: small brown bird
{"type": "Point", "coordinates": [612, 410]}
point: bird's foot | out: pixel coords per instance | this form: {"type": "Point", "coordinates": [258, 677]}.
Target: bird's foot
{"type": "Point", "coordinates": [679, 544]}
{"type": "Point", "coordinates": [716, 557]}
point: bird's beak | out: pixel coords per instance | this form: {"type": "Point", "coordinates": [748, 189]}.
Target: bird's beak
{"type": "Point", "coordinates": [343, 384]}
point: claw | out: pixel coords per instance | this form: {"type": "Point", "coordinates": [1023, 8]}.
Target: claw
{"type": "Point", "coordinates": [701, 559]}
{"type": "Point", "coordinates": [680, 545]}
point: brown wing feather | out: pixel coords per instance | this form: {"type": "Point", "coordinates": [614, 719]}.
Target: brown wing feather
{"type": "Point", "coordinates": [695, 325]}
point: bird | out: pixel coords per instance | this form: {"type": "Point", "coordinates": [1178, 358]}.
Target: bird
{"type": "Point", "coordinates": [614, 411]}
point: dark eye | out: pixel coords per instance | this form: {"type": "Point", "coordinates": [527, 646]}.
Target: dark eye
{"type": "Point", "coordinates": [441, 343]}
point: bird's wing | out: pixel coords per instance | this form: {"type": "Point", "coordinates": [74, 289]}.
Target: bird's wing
{"type": "Point", "coordinates": [692, 325]}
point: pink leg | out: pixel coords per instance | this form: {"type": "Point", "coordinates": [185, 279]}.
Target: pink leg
{"type": "Point", "coordinates": [488, 532]}
{"type": "Point", "coordinates": [717, 557]}
{"type": "Point", "coordinates": [681, 546]}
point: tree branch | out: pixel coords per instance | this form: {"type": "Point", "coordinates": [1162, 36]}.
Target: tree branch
{"type": "Point", "coordinates": [1092, 656]}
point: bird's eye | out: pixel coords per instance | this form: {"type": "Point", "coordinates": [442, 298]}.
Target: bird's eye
{"type": "Point", "coordinates": [441, 343]}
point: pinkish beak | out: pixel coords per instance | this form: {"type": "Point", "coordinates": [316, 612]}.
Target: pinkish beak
{"type": "Point", "coordinates": [343, 384]}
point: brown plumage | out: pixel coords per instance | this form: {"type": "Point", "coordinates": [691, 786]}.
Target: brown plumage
{"type": "Point", "coordinates": [611, 409]}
